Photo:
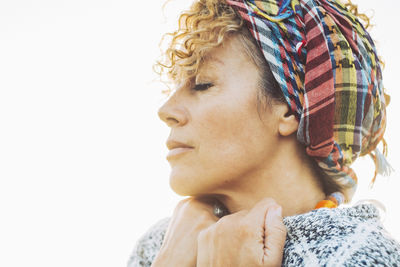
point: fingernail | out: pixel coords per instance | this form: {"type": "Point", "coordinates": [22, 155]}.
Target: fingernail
{"type": "Point", "coordinates": [274, 213]}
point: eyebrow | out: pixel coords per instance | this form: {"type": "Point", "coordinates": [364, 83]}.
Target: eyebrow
{"type": "Point", "coordinates": [208, 59]}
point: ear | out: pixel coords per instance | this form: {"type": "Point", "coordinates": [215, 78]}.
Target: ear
{"type": "Point", "coordinates": [287, 122]}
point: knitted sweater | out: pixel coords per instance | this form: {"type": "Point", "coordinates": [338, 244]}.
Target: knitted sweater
{"type": "Point", "coordinates": [325, 237]}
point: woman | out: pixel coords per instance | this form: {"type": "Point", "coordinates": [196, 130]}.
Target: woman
{"type": "Point", "coordinates": [273, 101]}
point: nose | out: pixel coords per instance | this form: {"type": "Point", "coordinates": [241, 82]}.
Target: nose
{"type": "Point", "coordinates": [173, 112]}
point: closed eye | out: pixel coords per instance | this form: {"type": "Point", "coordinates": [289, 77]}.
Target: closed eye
{"type": "Point", "coordinates": [202, 86]}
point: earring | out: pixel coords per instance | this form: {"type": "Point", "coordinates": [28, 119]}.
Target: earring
{"type": "Point", "coordinates": [219, 210]}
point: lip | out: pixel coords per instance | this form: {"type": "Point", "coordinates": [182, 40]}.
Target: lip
{"type": "Point", "coordinates": [171, 144]}
{"type": "Point", "coordinates": [178, 151]}
{"type": "Point", "coordinates": [177, 148]}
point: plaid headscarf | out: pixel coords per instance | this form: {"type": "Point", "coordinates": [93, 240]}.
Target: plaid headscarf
{"type": "Point", "coordinates": [328, 70]}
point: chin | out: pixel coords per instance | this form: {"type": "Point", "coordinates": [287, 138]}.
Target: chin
{"type": "Point", "coordinates": [187, 184]}
{"type": "Point", "coordinates": [196, 183]}
{"type": "Point", "coordinates": [181, 185]}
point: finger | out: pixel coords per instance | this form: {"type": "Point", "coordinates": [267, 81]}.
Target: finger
{"type": "Point", "coordinates": [275, 235]}
{"type": "Point", "coordinates": [263, 228]}
{"type": "Point", "coordinates": [203, 207]}
{"type": "Point", "coordinates": [255, 218]}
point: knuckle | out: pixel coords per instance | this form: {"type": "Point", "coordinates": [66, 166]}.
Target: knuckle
{"type": "Point", "coordinates": [244, 229]}
{"type": "Point", "coordinates": [235, 223]}
{"type": "Point", "coordinates": [206, 234]}
{"type": "Point", "coordinates": [269, 201]}
{"type": "Point", "coordinates": [241, 214]}
{"type": "Point", "coordinates": [191, 208]}
{"type": "Point", "coordinates": [187, 204]}
{"type": "Point", "coordinates": [207, 231]}
{"type": "Point", "coordinates": [183, 203]}
{"type": "Point", "coordinates": [203, 215]}
{"type": "Point", "coordinates": [189, 201]}
{"type": "Point", "coordinates": [222, 225]}
{"type": "Point", "coordinates": [227, 224]}
{"type": "Point", "coordinates": [203, 234]}
{"type": "Point", "coordinates": [224, 220]}
{"type": "Point", "coordinates": [263, 205]}
{"type": "Point", "coordinates": [202, 237]}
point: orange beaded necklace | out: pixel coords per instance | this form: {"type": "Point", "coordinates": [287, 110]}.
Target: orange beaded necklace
{"type": "Point", "coordinates": [333, 201]}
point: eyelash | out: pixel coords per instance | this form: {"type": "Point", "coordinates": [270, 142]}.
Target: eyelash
{"type": "Point", "coordinates": [202, 86]}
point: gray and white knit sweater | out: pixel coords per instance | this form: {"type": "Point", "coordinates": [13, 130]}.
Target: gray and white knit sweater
{"type": "Point", "coordinates": [324, 237]}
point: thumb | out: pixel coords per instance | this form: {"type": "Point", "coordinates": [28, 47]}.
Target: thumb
{"type": "Point", "coordinates": [275, 236]}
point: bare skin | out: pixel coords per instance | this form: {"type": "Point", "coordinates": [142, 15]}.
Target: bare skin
{"type": "Point", "coordinates": [245, 238]}
{"type": "Point", "coordinates": [249, 161]}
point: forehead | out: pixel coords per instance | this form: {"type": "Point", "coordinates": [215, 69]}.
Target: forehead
{"type": "Point", "coordinates": [230, 53]}
{"type": "Point", "coordinates": [213, 59]}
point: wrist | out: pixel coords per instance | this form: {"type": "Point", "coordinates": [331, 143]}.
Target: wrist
{"type": "Point", "coordinates": [160, 260]}
{"type": "Point", "coordinates": [172, 259]}
{"type": "Point", "coordinates": [157, 263]}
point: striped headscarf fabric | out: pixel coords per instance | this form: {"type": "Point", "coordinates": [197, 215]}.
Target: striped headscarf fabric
{"type": "Point", "coordinates": [327, 67]}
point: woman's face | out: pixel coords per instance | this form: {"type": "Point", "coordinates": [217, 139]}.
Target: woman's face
{"type": "Point", "coordinates": [218, 118]}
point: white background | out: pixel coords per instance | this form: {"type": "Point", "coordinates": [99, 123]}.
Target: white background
{"type": "Point", "coordinates": [82, 153]}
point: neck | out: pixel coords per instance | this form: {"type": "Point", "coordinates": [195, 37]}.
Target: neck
{"type": "Point", "coordinates": [290, 181]}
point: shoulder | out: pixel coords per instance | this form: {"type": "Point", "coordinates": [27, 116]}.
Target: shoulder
{"type": "Point", "coordinates": [148, 245]}
{"type": "Point", "coordinates": [340, 237]}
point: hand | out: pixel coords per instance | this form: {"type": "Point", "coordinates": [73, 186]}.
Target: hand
{"type": "Point", "coordinates": [179, 247]}
{"type": "Point", "coordinates": [246, 238]}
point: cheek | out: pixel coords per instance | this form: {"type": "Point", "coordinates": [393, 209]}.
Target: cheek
{"type": "Point", "coordinates": [230, 138]}
{"type": "Point", "coordinates": [233, 128]}
{"type": "Point", "coordinates": [233, 142]}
